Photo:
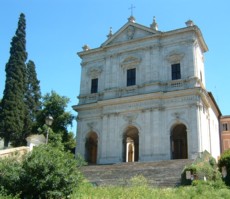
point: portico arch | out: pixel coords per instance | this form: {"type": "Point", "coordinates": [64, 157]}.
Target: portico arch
{"type": "Point", "coordinates": [179, 143]}
{"type": "Point", "coordinates": [130, 144]}
{"type": "Point", "coordinates": [91, 147]}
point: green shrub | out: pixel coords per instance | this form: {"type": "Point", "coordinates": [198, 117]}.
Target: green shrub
{"type": "Point", "coordinates": [193, 169]}
{"type": "Point", "coordinates": [10, 170]}
{"type": "Point", "coordinates": [203, 168]}
{"type": "Point", "coordinates": [218, 184]}
{"type": "Point", "coordinates": [46, 172]}
{"type": "Point", "coordinates": [224, 161]}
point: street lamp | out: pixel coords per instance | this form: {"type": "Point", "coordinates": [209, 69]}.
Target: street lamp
{"type": "Point", "coordinates": [49, 121]}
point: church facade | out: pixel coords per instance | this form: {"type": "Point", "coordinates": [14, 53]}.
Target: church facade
{"type": "Point", "coordinates": [143, 97]}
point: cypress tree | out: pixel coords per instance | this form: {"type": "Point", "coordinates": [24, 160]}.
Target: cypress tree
{"type": "Point", "coordinates": [13, 102]}
{"type": "Point", "coordinates": [32, 97]}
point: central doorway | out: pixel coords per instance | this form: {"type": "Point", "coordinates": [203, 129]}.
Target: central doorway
{"type": "Point", "coordinates": [179, 144]}
{"type": "Point", "coordinates": [131, 145]}
{"type": "Point", "coordinates": [91, 148]}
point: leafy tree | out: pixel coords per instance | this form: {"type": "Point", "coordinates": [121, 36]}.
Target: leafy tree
{"type": "Point", "coordinates": [32, 97]}
{"type": "Point", "coordinates": [55, 105]}
{"type": "Point", "coordinates": [1, 134]}
{"type": "Point", "coordinates": [224, 161]}
{"type": "Point", "coordinates": [46, 172]}
{"type": "Point", "coordinates": [13, 106]}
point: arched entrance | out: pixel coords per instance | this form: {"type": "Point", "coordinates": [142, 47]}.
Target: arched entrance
{"type": "Point", "coordinates": [179, 144]}
{"type": "Point", "coordinates": [91, 148]}
{"type": "Point", "coordinates": [131, 145]}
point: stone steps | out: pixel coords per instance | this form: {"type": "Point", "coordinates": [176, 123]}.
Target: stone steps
{"type": "Point", "coordinates": [160, 174]}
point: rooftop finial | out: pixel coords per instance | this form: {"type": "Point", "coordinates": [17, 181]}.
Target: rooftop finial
{"type": "Point", "coordinates": [131, 8]}
{"type": "Point", "coordinates": [86, 47]}
{"type": "Point", "coordinates": [131, 18]}
{"type": "Point", "coordinates": [154, 25]}
{"type": "Point", "coordinates": [110, 33]}
{"type": "Point", "coordinates": [189, 23]}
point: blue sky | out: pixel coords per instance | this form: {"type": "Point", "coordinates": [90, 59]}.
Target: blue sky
{"type": "Point", "coordinates": [57, 30]}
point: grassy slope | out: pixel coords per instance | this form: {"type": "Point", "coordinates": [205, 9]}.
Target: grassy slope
{"type": "Point", "coordinates": [200, 191]}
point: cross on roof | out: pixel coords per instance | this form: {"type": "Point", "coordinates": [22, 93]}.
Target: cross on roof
{"type": "Point", "coordinates": [131, 8]}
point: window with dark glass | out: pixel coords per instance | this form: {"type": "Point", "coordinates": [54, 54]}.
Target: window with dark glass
{"type": "Point", "coordinates": [131, 77]}
{"type": "Point", "coordinates": [176, 73]}
{"type": "Point", "coordinates": [94, 85]}
{"type": "Point", "coordinates": [225, 126]}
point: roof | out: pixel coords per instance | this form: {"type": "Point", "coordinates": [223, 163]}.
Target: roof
{"type": "Point", "coordinates": [134, 32]}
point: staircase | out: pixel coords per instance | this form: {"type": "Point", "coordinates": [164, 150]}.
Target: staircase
{"type": "Point", "coordinates": [158, 174]}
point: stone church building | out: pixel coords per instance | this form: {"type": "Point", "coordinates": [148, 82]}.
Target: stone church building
{"type": "Point", "coordinates": [143, 97]}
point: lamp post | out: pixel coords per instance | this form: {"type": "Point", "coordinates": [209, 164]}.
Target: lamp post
{"type": "Point", "coordinates": [49, 121]}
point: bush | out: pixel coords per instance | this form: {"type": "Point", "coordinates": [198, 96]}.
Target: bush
{"type": "Point", "coordinates": [193, 169]}
{"type": "Point", "coordinates": [224, 161]}
{"type": "Point", "coordinates": [204, 167]}
{"type": "Point", "coordinates": [10, 170]}
{"type": "Point", "coordinates": [47, 172]}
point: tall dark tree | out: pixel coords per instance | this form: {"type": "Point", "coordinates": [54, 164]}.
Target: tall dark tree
{"type": "Point", "coordinates": [13, 106]}
{"type": "Point", "coordinates": [32, 98]}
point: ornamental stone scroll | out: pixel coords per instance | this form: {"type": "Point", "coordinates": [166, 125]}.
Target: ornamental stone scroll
{"type": "Point", "coordinates": [94, 72]}
{"type": "Point", "coordinates": [130, 117]}
{"type": "Point", "coordinates": [130, 32]}
{"type": "Point", "coordinates": [130, 62]}
{"type": "Point", "coordinates": [174, 58]}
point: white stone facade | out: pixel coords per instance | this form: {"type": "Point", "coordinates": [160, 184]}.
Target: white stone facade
{"type": "Point", "coordinates": [164, 114]}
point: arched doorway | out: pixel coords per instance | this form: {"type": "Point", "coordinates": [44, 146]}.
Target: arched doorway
{"type": "Point", "coordinates": [131, 145]}
{"type": "Point", "coordinates": [91, 148]}
{"type": "Point", "coordinates": [179, 144]}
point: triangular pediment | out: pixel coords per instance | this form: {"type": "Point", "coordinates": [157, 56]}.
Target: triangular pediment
{"type": "Point", "coordinates": [130, 31]}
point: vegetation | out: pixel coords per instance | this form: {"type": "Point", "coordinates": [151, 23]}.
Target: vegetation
{"type": "Point", "coordinates": [55, 105]}
{"type": "Point", "coordinates": [13, 106]}
{"type": "Point", "coordinates": [32, 98]}
{"type": "Point", "coordinates": [22, 112]}
{"type": "Point", "coordinates": [203, 168]}
{"type": "Point", "coordinates": [47, 172]}
{"type": "Point", "coordinates": [57, 176]}
{"type": "Point", "coordinates": [200, 190]}
{"type": "Point", "coordinates": [225, 162]}
{"type": "Point", "coordinates": [21, 97]}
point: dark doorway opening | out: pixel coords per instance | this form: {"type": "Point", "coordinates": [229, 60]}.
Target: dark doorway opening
{"type": "Point", "coordinates": [91, 146]}
{"type": "Point", "coordinates": [179, 144]}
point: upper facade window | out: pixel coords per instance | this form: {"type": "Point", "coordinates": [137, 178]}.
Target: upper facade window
{"type": "Point", "coordinates": [94, 85]}
{"type": "Point", "coordinates": [131, 77]}
{"type": "Point", "coordinates": [225, 127]}
{"type": "Point", "coordinates": [176, 72]}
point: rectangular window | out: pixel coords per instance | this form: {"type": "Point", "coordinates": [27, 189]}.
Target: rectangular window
{"type": "Point", "coordinates": [131, 77]}
{"type": "Point", "coordinates": [94, 85]}
{"type": "Point", "coordinates": [176, 74]}
{"type": "Point", "coordinates": [225, 127]}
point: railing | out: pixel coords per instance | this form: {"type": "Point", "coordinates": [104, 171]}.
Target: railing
{"type": "Point", "coordinates": [18, 151]}
{"type": "Point", "coordinates": [142, 89]}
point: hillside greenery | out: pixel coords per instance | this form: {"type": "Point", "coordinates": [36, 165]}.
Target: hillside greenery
{"type": "Point", "coordinates": [47, 172]}
{"type": "Point", "coordinates": [198, 190]}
